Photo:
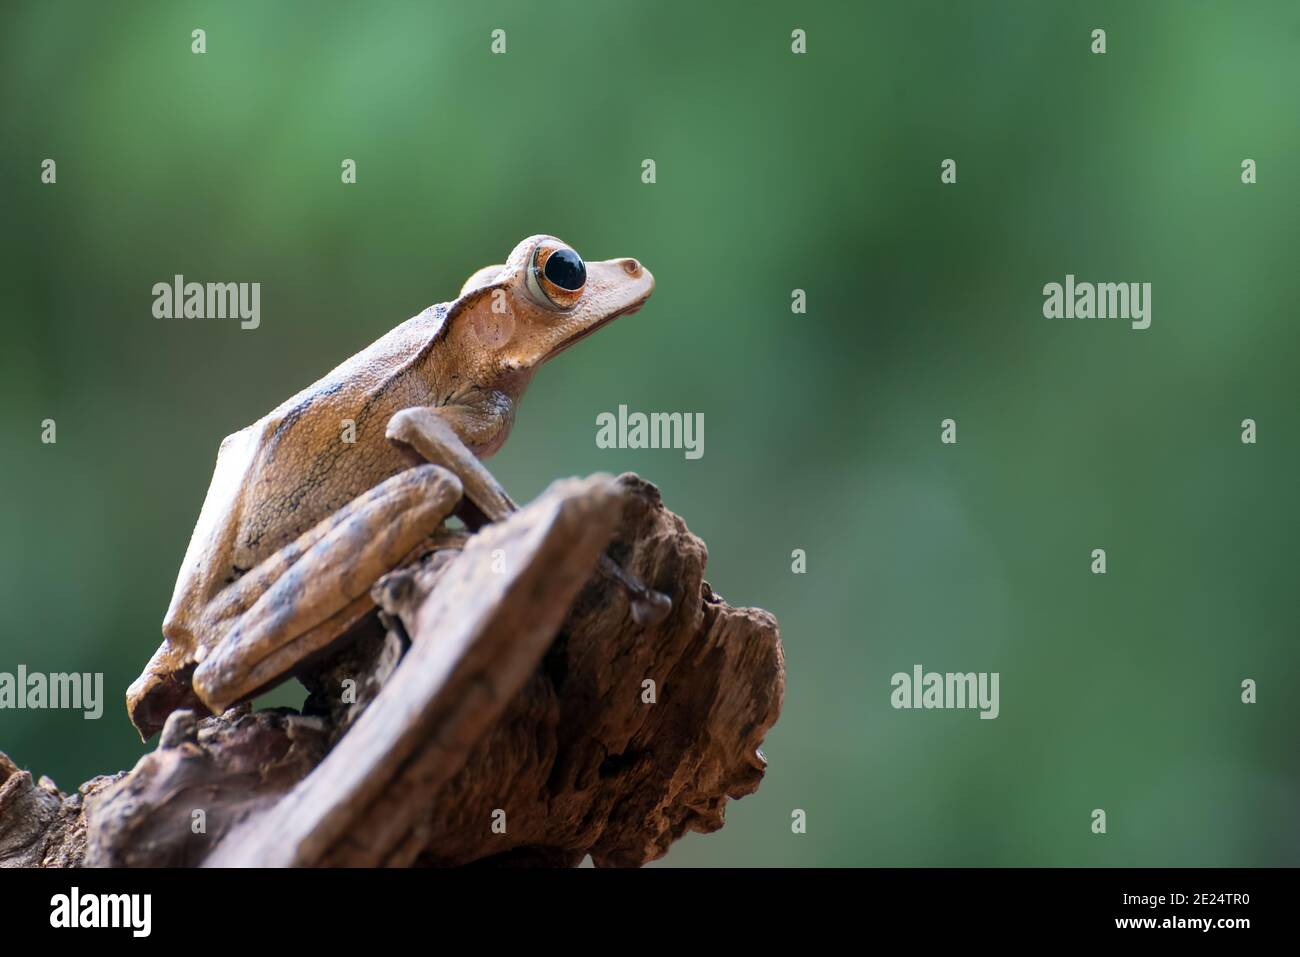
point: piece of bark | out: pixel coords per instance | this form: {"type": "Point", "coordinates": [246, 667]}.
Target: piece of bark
{"type": "Point", "coordinates": [517, 727]}
{"type": "Point", "coordinates": [40, 826]}
{"type": "Point", "coordinates": [581, 763]}
{"type": "Point", "coordinates": [475, 639]}
{"type": "Point", "coordinates": [204, 778]}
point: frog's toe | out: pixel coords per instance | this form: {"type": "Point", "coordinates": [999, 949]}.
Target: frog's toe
{"type": "Point", "coordinates": [153, 696]}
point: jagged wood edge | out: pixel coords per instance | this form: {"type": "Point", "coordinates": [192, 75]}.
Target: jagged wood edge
{"type": "Point", "coordinates": [143, 818]}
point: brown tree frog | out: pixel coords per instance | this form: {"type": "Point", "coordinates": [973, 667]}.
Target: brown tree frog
{"type": "Point", "coordinates": [298, 522]}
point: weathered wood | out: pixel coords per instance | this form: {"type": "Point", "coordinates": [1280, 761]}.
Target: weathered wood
{"type": "Point", "coordinates": [223, 769]}
{"type": "Point", "coordinates": [39, 825]}
{"type": "Point", "coordinates": [530, 720]}
{"type": "Point", "coordinates": [476, 637]}
{"type": "Point", "coordinates": [581, 763]}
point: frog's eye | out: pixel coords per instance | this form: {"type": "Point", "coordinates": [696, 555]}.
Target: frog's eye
{"type": "Point", "coordinates": [557, 276]}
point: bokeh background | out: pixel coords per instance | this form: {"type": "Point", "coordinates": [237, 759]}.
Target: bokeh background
{"type": "Point", "coordinates": [775, 172]}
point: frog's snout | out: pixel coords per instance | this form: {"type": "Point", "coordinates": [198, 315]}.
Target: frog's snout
{"type": "Point", "coordinates": [641, 279]}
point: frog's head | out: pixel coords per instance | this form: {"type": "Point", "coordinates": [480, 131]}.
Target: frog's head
{"type": "Point", "coordinates": [543, 300]}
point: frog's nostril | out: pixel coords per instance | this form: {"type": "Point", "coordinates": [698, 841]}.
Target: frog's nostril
{"type": "Point", "coordinates": [631, 267]}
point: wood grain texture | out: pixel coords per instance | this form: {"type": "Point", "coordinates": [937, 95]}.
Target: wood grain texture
{"type": "Point", "coordinates": [505, 710]}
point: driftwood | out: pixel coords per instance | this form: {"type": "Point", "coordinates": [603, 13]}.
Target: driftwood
{"type": "Point", "coordinates": [502, 708]}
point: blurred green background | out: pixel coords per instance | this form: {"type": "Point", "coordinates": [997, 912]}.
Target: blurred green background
{"type": "Point", "coordinates": [775, 172]}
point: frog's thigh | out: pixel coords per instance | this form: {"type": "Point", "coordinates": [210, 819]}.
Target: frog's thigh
{"type": "Point", "coordinates": [433, 434]}
{"type": "Point", "coordinates": [326, 583]}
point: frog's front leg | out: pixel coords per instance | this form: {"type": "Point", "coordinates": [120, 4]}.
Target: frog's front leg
{"type": "Point", "coordinates": [435, 434]}
{"type": "Point", "coordinates": [313, 586]}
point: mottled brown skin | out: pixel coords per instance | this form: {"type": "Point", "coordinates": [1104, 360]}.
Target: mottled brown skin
{"type": "Point", "coordinates": [298, 523]}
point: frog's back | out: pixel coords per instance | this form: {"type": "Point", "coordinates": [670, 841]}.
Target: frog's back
{"type": "Point", "coordinates": [295, 466]}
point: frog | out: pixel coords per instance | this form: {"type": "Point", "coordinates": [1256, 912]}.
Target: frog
{"type": "Point", "coordinates": [357, 473]}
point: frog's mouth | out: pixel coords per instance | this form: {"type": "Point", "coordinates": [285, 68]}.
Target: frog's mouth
{"type": "Point", "coordinates": [573, 340]}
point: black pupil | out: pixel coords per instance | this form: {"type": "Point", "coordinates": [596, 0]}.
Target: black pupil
{"type": "Point", "coordinates": [566, 269]}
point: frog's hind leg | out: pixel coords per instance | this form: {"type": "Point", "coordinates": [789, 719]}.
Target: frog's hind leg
{"type": "Point", "coordinates": [300, 599]}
